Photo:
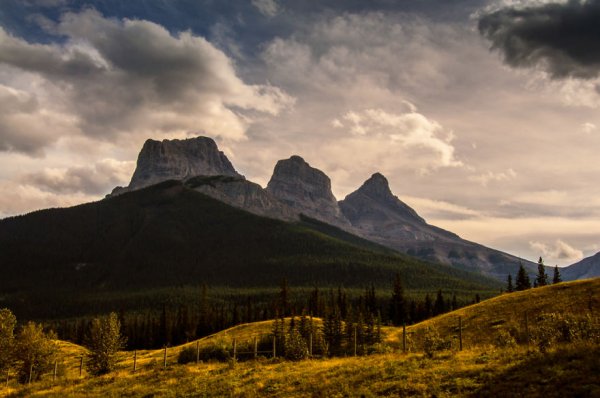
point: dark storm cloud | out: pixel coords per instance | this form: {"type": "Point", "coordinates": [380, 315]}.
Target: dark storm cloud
{"type": "Point", "coordinates": [564, 39]}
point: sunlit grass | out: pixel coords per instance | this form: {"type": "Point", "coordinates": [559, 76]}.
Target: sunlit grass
{"type": "Point", "coordinates": [481, 369]}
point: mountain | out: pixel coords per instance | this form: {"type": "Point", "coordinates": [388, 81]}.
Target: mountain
{"type": "Point", "coordinates": [297, 189]}
{"type": "Point", "coordinates": [307, 190]}
{"type": "Point", "coordinates": [589, 267]}
{"type": "Point", "coordinates": [169, 234]}
{"type": "Point", "coordinates": [376, 214]}
{"type": "Point", "coordinates": [177, 160]}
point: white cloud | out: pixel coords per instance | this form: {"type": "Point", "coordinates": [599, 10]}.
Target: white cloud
{"type": "Point", "coordinates": [559, 250]}
{"type": "Point", "coordinates": [485, 178]}
{"type": "Point", "coordinates": [269, 8]}
{"type": "Point", "coordinates": [588, 127]}
{"type": "Point", "coordinates": [129, 78]}
{"type": "Point", "coordinates": [410, 129]}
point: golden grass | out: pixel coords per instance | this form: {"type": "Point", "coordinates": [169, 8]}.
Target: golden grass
{"type": "Point", "coordinates": [479, 370]}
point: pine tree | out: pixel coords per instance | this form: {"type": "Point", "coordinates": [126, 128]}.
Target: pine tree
{"type": "Point", "coordinates": [522, 279]}
{"type": "Point", "coordinates": [557, 278]}
{"type": "Point", "coordinates": [509, 286]}
{"type": "Point", "coordinates": [284, 303]}
{"type": "Point", "coordinates": [398, 303]}
{"type": "Point", "coordinates": [104, 341]}
{"type": "Point", "coordinates": [542, 278]}
{"type": "Point", "coordinates": [438, 306]}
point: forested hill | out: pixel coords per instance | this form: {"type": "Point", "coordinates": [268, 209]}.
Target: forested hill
{"type": "Point", "coordinates": [169, 235]}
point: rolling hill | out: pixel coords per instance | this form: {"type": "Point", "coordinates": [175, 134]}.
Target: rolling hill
{"type": "Point", "coordinates": [482, 369]}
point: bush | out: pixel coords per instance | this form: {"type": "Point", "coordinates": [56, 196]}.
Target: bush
{"type": "Point", "coordinates": [553, 328]}
{"type": "Point", "coordinates": [504, 339]}
{"type": "Point", "coordinates": [432, 343]}
{"type": "Point", "coordinates": [295, 346]}
{"type": "Point", "coordinates": [187, 355]}
{"type": "Point", "coordinates": [218, 351]}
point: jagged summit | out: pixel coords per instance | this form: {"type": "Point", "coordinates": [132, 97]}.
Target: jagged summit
{"type": "Point", "coordinates": [177, 160]}
{"type": "Point", "coordinates": [305, 189]}
{"type": "Point", "coordinates": [375, 192]}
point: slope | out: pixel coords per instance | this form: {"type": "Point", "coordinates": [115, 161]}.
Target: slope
{"type": "Point", "coordinates": [170, 235]}
{"type": "Point", "coordinates": [589, 267]}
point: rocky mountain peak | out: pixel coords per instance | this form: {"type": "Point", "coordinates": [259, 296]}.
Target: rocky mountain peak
{"type": "Point", "coordinates": [375, 201]}
{"type": "Point", "coordinates": [179, 159]}
{"type": "Point", "coordinates": [306, 189]}
{"type": "Point", "coordinates": [377, 187]}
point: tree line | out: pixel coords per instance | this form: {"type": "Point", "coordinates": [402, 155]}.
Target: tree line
{"type": "Point", "coordinates": [523, 282]}
{"type": "Point", "coordinates": [177, 324]}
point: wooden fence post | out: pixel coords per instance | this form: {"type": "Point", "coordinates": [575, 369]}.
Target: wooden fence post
{"type": "Point", "coordinates": [55, 370]}
{"type": "Point", "coordinates": [404, 337]}
{"type": "Point", "coordinates": [310, 345]}
{"type": "Point", "coordinates": [197, 352]}
{"type": "Point", "coordinates": [274, 347]}
{"type": "Point", "coordinates": [255, 347]}
{"type": "Point", "coordinates": [460, 342]}
{"type": "Point", "coordinates": [80, 366]}
{"type": "Point", "coordinates": [355, 338]}
{"type": "Point", "coordinates": [134, 361]}
{"type": "Point", "coordinates": [7, 377]}
{"type": "Point", "coordinates": [165, 358]}
{"type": "Point", "coordinates": [30, 373]}
{"type": "Point", "coordinates": [234, 349]}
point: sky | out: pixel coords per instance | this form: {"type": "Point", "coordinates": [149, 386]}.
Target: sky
{"type": "Point", "coordinates": [483, 114]}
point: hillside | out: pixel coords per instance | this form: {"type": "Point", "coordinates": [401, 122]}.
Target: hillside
{"type": "Point", "coordinates": [170, 235]}
{"type": "Point", "coordinates": [589, 267]}
{"type": "Point", "coordinates": [480, 370]}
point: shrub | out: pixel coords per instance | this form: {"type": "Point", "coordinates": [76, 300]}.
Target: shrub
{"type": "Point", "coordinates": [295, 346]}
{"type": "Point", "coordinates": [187, 355]}
{"type": "Point", "coordinates": [432, 342]}
{"type": "Point", "coordinates": [35, 352]}
{"type": "Point", "coordinates": [504, 339]}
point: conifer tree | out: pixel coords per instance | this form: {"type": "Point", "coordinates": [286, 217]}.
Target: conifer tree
{"type": "Point", "coordinates": [509, 286]}
{"type": "Point", "coordinates": [557, 278]}
{"type": "Point", "coordinates": [398, 303]}
{"type": "Point", "coordinates": [438, 307]}
{"type": "Point", "coordinates": [284, 302]}
{"type": "Point", "coordinates": [542, 278]}
{"type": "Point", "coordinates": [523, 281]}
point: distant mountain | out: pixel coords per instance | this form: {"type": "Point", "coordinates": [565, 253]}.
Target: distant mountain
{"type": "Point", "coordinates": [377, 214]}
{"type": "Point", "coordinates": [171, 235]}
{"type": "Point", "coordinates": [589, 267]}
{"type": "Point", "coordinates": [178, 160]}
{"type": "Point", "coordinates": [296, 189]}
{"type": "Point", "coordinates": [307, 190]}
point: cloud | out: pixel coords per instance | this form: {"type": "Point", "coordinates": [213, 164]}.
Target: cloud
{"type": "Point", "coordinates": [409, 129]}
{"type": "Point", "coordinates": [269, 8]}
{"type": "Point", "coordinates": [588, 127]}
{"type": "Point", "coordinates": [559, 250]}
{"type": "Point", "coordinates": [485, 178]}
{"type": "Point", "coordinates": [561, 38]}
{"type": "Point", "coordinates": [96, 179]}
{"type": "Point", "coordinates": [119, 78]}
{"type": "Point", "coordinates": [436, 209]}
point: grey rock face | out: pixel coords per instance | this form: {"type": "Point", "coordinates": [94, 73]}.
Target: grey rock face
{"type": "Point", "coordinates": [589, 267]}
{"type": "Point", "coordinates": [376, 214]}
{"type": "Point", "coordinates": [243, 194]}
{"type": "Point", "coordinates": [306, 190]}
{"type": "Point", "coordinates": [179, 159]}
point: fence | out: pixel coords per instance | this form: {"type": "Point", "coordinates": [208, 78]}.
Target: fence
{"type": "Point", "coordinates": [408, 342]}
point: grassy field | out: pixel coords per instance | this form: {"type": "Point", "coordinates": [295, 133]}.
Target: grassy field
{"type": "Point", "coordinates": [483, 368]}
